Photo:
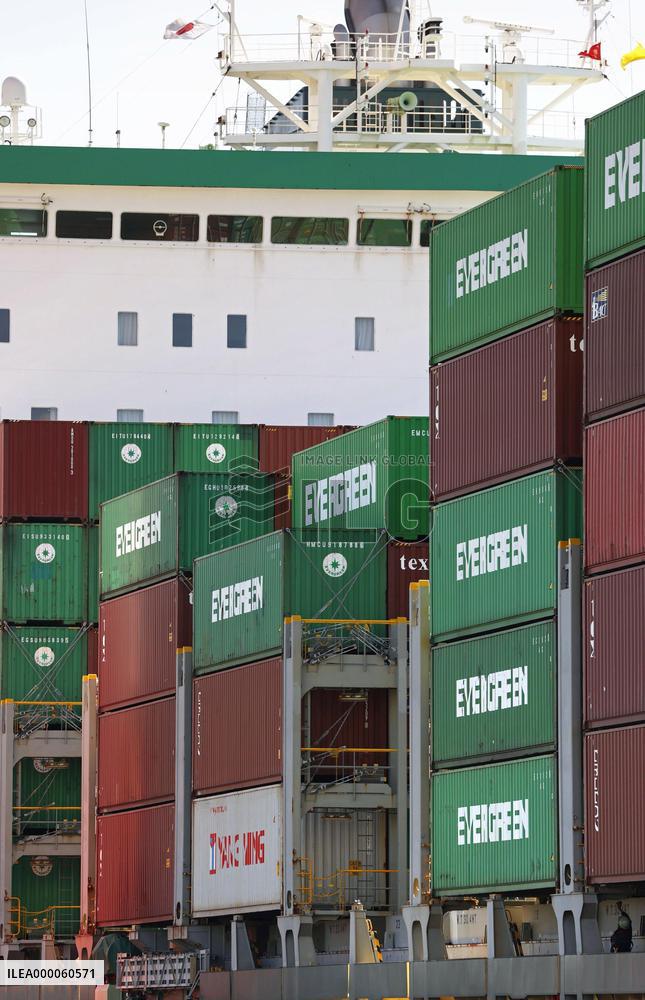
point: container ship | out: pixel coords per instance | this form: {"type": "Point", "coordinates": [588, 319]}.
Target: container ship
{"type": "Point", "coordinates": [320, 666]}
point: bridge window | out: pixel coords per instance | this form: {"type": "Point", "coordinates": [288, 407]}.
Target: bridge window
{"type": "Point", "coordinates": [234, 229]}
{"type": "Point", "coordinates": [309, 231]}
{"type": "Point", "coordinates": [236, 331]}
{"type": "Point", "coordinates": [127, 329]}
{"type": "Point", "coordinates": [225, 417]}
{"type": "Point", "coordinates": [23, 222]}
{"type": "Point", "coordinates": [84, 225]}
{"type": "Point", "coordinates": [159, 227]}
{"type": "Point", "coordinates": [364, 333]}
{"type": "Point", "coordinates": [427, 225]}
{"type": "Point", "coordinates": [384, 232]}
{"type": "Point", "coordinates": [182, 330]}
{"type": "Point", "coordinates": [44, 413]}
{"type": "Point", "coordinates": [129, 416]}
{"type": "Point", "coordinates": [320, 419]}
{"type": "Point", "coordinates": [4, 326]}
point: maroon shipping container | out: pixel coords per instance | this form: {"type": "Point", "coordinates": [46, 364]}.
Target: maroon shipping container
{"type": "Point", "coordinates": [615, 648]}
{"type": "Point", "coordinates": [237, 728]}
{"type": "Point", "coordinates": [615, 805]}
{"type": "Point", "coordinates": [407, 562]}
{"type": "Point", "coordinates": [614, 492]}
{"type": "Point", "coordinates": [614, 341]}
{"type": "Point", "coordinates": [43, 470]}
{"type": "Point", "coordinates": [136, 756]}
{"type": "Point", "coordinates": [139, 635]}
{"type": "Point", "coordinates": [507, 409]}
{"type": "Point", "coordinates": [134, 866]}
{"type": "Point", "coordinates": [276, 445]}
{"type": "Point", "coordinates": [356, 719]}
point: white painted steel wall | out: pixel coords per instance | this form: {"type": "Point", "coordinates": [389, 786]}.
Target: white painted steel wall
{"type": "Point", "coordinates": [301, 302]}
{"type": "Point", "coordinates": [237, 852]}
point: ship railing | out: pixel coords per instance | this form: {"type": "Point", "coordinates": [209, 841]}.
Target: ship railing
{"type": "Point", "coordinates": [34, 821]}
{"type": "Point", "coordinates": [329, 766]}
{"type": "Point", "coordinates": [316, 43]}
{"type": "Point", "coordinates": [57, 715]}
{"type": "Point", "coordinates": [339, 889]}
{"type": "Point", "coordinates": [59, 920]}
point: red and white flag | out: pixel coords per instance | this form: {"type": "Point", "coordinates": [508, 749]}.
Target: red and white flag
{"type": "Point", "coordinates": [186, 29]}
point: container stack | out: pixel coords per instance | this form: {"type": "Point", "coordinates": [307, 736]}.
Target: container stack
{"type": "Point", "coordinates": [333, 564]}
{"type": "Point", "coordinates": [46, 646]}
{"type": "Point", "coordinates": [505, 450]}
{"type": "Point", "coordinates": [614, 589]}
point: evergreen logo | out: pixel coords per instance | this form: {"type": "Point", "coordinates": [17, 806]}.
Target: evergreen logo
{"type": "Point", "coordinates": [44, 656]}
{"type": "Point", "coordinates": [216, 453]}
{"type": "Point", "coordinates": [131, 453]}
{"type": "Point", "coordinates": [45, 553]}
{"type": "Point", "coordinates": [41, 865]}
{"type": "Point", "coordinates": [226, 507]}
{"type": "Point", "coordinates": [335, 564]}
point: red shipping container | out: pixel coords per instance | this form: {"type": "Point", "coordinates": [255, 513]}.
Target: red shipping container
{"type": "Point", "coordinates": [237, 728]}
{"type": "Point", "coordinates": [136, 756]}
{"type": "Point", "coordinates": [614, 491]}
{"type": "Point", "coordinates": [614, 342]}
{"type": "Point", "coordinates": [139, 635]}
{"type": "Point", "coordinates": [134, 866]}
{"type": "Point", "coordinates": [43, 470]}
{"type": "Point", "coordinates": [354, 719]}
{"type": "Point", "coordinates": [407, 562]}
{"type": "Point", "coordinates": [615, 805]}
{"type": "Point", "coordinates": [507, 409]}
{"type": "Point", "coordinates": [276, 445]}
{"type": "Point", "coordinates": [615, 648]}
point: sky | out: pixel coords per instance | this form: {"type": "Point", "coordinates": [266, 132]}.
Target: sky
{"type": "Point", "coordinates": [138, 79]}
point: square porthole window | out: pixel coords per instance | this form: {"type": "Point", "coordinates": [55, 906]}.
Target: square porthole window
{"type": "Point", "coordinates": [129, 416]}
{"type": "Point", "coordinates": [182, 329]}
{"type": "Point", "coordinates": [364, 333]}
{"type": "Point", "coordinates": [236, 331]}
{"type": "Point", "coordinates": [128, 329]}
{"type": "Point", "coordinates": [44, 413]}
{"type": "Point", "coordinates": [320, 419]}
{"type": "Point", "coordinates": [225, 417]}
{"type": "Point", "coordinates": [5, 324]}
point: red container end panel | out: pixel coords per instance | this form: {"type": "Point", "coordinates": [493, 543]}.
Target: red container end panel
{"type": "Point", "coordinates": [237, 728]}
{"type": "Point", "coordinates": [406, 563]}
{"type": "Point", "coordinates": [614, 610]}
{"type": "Point", "coordinates": [136, 756]}
{"type": "Point", "coordinates": [43, 469]}
{"type": "Point", "coordinates": [614, 342]}
{"type": "Point", "coordinates": [139, 635]}
{"type": "Point", "coordinates": [615, 805]}
{"type": "Point", "coordinates": [614, 492]}
{"type": "Point", "coordinates": [507, 409]}
{"type": "Point", "coordinates": [276, 445]}
{"type": "Point", "coordinates": [134, 867]}
{"type": "Point", "coordinates": [343, 730]}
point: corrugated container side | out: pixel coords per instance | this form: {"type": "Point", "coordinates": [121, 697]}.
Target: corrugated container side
{"type": "Point", "coordinates": [529, 240]}
{"type": "Point", "coordinates": [494, 696]}
{"type": "Point", "coordinates": [124, 457]}
{"type": "Point", "coordinates": [613, 182]}
{"type": "Point", "coordinates": [614, 487]}
{"type": "Point", "coordinates": [47, 887]}
{"type": "Point", "coordinates": [614, 342]}
{"type": "Point", "coordinates": [136, 756]}
{"type": "Point", "coordinates": [615, 805]}
{"type": "Point", "coordinates": [47, 794]}
{"type": "Point", "coordinates": [216, 447]}
{"type": "Point", "coordinates": [372, 478]}
{"type": "Point", "coordinates": [44, 663]}
{"type": "Point", "coordinates": [511, 532]}
{"type": "Point", "coordinates": [43, 469]}
{"type": "Point", "coordinates": [237, 852]}
{"type": "Point", "coordinates": [494, 827]}
{"type": "Point", "coordinates": [334, 719]}
{"type": "Point", "coordinates": [134, 869]}
{"type": "Point", "coordinates": [139, 635]}
{"type": "Point", "coordinates": [614, 640]}
{"type": "Point", "coordinates": [237, 728]}
{"type": "Point", "coordinates": [277, 445]}
{"type": "Point", "coordinates": [507, 409]}
{"type": "Point", "coordinates": [407, 562]}
{"type": "Point", "coordinates": [93, 582]}
{"type": "Point", "coordinates": [43, 573]}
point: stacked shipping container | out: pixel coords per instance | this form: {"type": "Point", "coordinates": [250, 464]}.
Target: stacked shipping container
{"type": "Point", "coordinates": [505, 424]}
{"type": "Point", "coordinates": [614, 592]}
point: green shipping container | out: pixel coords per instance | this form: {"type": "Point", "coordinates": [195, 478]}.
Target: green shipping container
{"type": "Point", "coordinates": [44, 573]}
{"type": "Point", "coordinates": [47, 795]}
{"type": "Point", "coordinates": [494, 828]}
{"type": "Point", "coordinates": [494, 696]}
{"type": "Point", "coordinates": [216, 448]}
{"type": "Point", "coordinates": [45, 896]}
{"type": "Point", "coordinates": [493, 554]}
{"type": "Point", "coordinates": [615, 181]}
{"type": "Point", "coordinates": [158, 530]}
{"type": "Point", "coordinates": [42, 663]}
{"type": "Point", "coordinates": [124, 457]}
{"type": "Point", "coordinates": [375, 477]}
{"type": "Point", "coordinates": [507, 264]}
{"type": "Point", "coordinates": [242, 595]}
{"type": "Point", "coordinates": [93, 573]}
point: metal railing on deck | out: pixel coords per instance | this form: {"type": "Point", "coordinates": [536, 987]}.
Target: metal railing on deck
{"type": "Point", "coordinates": [339, 889]}
{"type": "Point", "coordinates": [324, 638]}
{"type": "Point", "coordinates": [41, 820]}
{"type": "Point", "coordinates": [57, 920]}
{"type": "Point", "coordinates": [60, 716]}
{"type": "Point", "coordinates": [344, 765]}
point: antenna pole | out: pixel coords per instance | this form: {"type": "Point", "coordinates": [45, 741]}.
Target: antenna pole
{"type": "Point", "coordinates": [89, 76]}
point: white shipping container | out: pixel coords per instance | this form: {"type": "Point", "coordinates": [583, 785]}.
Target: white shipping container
{"type": "Point", "coordinates": [237, 852]}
